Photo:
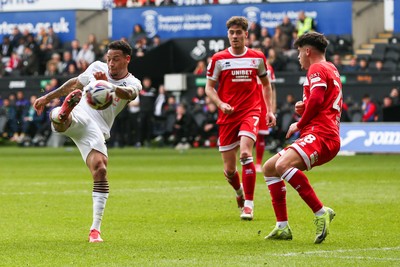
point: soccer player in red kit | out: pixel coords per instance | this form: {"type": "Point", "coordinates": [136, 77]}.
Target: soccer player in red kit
{"type": "Point", "coordinates": [236, 70]}
{"type": "Point", "coordinates": [319, 140]}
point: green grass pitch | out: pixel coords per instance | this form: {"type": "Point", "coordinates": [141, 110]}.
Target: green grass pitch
{"type": "Point", "coordinates": [171, 208]}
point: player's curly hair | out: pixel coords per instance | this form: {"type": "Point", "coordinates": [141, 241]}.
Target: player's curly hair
{"type": "Point", "coordinates": [121, 45]}
{"type": "Point", "coordinates": [314, 39]}
{"type": "Point", "coordinates": [239, 21]}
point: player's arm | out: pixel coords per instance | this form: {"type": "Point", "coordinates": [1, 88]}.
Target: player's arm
{"type": "Point", "coordinates": [213, 95]}
{"type": "Point", "coordinates": [123, 92]}
{"type": "Point", "coordinates": [267, 95]}
{"type": "Point", "coordinates": [63, 90]}
{"type": "Point", "coordinates": [313, 107]}
{"type": "Point", "coordinates": [127, 92]}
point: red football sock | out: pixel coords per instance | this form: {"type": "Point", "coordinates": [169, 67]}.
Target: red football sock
{"type": "Point", "coordinates": [248, 177]}
{"type": "Point", "coordinates": [260, 148]}
{"type": "Point", "coordinates": [233, 180]}
{"type": "Point", "coordinates": [277, 190]}
{"type": "Point", "coordinates": [298, 180]}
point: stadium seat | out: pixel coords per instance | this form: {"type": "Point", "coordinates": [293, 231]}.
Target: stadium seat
{"type": "Point", "coordinates": [389, 66]}
{"type": "Point", "coordinates": [379, 52]}
{"type": "Point", "coordinates": [344, 44]}
{"type": "Point", "coordinates": [393, 56]}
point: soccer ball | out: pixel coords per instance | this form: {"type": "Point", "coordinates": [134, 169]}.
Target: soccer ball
{"type": "Point", "coordinates": [99, 94]}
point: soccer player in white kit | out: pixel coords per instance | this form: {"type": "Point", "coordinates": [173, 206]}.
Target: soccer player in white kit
{"type": "Point", "coordinates": [90, 128]}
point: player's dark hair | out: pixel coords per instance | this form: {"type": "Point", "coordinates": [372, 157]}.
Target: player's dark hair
{"type": "Point", "coordinates": [121, 45]}
{"type": "Point", "coordinates": [314, 39]}
{"type": "Point", "coordinates": [238, 21]}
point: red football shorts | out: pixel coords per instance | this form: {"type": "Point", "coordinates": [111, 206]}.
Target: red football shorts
{"type": "Point", "coordinates": [229, 134]}
{"type": "Point", "coordinates": [314, 150]}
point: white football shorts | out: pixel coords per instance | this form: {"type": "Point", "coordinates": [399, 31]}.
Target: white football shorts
{"type": "Point", "coordinates": [85, 133]}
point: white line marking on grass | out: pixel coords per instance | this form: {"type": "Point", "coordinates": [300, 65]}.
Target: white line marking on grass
{"type": "Point", "coordinates": [305, 253]}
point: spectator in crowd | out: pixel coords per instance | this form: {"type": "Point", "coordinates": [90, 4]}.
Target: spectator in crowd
{"type": "Point", "coordinates": [19, 49]}
{"type": "Point", "coordinates": [255, 28]}
{"type": "Point", "coordinates": [6, 49]}
{"type": "Point", "coordinates": [15, 36]}
{"type": "Point", "coordinates": [137, 34]}
{"type": "Point", "coordinates": [51, 68]}
{"type": "Point", "coordinates": [75, 48]}
{"type": "Point", "coordinates": [377, 66]}
{"type": "Point", "coordinates": [264, 34]}
{"type": "Point", "coordinates": [159, 114]}
{"type": "Point", "coordinates": [280, 42]}
{"type": "Point", "coordinates": [21, 104]}
{"type": "Point", "coordinates": [32, 122]}
{"type": "Point", "coordinates": [394, 95]}
{"type": "Point", "coordinates": [120, 3]}
{"type": "Point", "coordinates": [53, 41]}
{"type": "Point", "coordinates": [13, 65]}
{"type": "Point", "coordinates": [140, 48]}
{"type": "Point", "coordinates": [304, 24]}
{"type": "Point", "coordinates": [94, 46]}
{"type": "Point", "coordinates": [353, 65]}
{"type": "Point", "coordinates": [32, 44]}
{"type": "Point", "coordinates": [29, 62]}
{"type": "Point", "coordinates": [337, 61]}
{"type": "Point", "coordinates": [167, 3]}
{"type": "Point", "coordinates": [66, 62]}
{"type": "Point", "coordinates": [209, 131]}
{"type": "Point", "coordinates": [266, 45]}
{"type": "Point", "coordinates": [275, 60]}
{"type": "Point", "coordinates": [287, 29]}
{"type": "Point", "coordinates": [368, 108]}
{"type": "Point", "coordinates": [182, 128]}
{"type": "Point", "coordinates": [85, 57]}
{"type": "Point", "coordinates": [147, 99]}
{"type": "Point", "coordinates": [155, 42]}
{"type": "Point", "coordinates": [387, 103]}
{"type": "Point", "coordinates": [201, 68]}
{"type": "Point", "coordinates": [10, 128]}
{"type": "Point", "coordinates": [363, 65]}
{"type": "Point", "coordinates": [198, 102]}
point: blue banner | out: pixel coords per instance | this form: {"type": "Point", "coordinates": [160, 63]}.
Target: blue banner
{"type": "Point", "coordinates": [209, 20]}
{"type": "Point", "coordinates": [396, 15]}
{"type": "Point", "coordinates": [370, 137]}
{"type": "Point", "coordinates": [63, 22]}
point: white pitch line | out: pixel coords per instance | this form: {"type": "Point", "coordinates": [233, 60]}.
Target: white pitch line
{"type": "Point", "coordinates": [293, 254]}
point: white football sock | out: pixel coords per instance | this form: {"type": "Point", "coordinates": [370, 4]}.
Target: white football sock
{"type": "Point", "coordinates": [54, 115]}
{"type": "Point", "coordinates": [249, 203]}
{"type": "Point", "coordinates": [320, 212]}
{"type": "Point", "coordinates": [99, 204]}
{"type": "Point", "coordinates": [281, 225]}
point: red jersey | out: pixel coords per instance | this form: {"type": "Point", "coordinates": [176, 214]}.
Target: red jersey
{"type": "Point", "coordinates": [237, 78]}
{"type": "Point", "coordinates": [326, 117]}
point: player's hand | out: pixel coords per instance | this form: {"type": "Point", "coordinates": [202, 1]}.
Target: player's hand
{"type": "Point", "coordinates": [99, 75]}
{"type": "Point", "coordinates": [226, 108]}
{"type": "Point", "coordinates": [271, 120]}
{"type": "Point", "coordinates": [39, 104]}
{"type": "Point", "coordinates": [292, 129]}
{"type": "Point", "coordinates": [299, 107]}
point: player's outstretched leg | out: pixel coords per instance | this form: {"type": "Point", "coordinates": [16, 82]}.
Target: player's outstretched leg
{"type": "Point", "coordinates": [66, 108]}
{"type": "Point", "coordinates": [322, 223]}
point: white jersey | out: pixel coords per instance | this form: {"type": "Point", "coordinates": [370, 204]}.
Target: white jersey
{"type": "Point", "coordinates": [105, 118]}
